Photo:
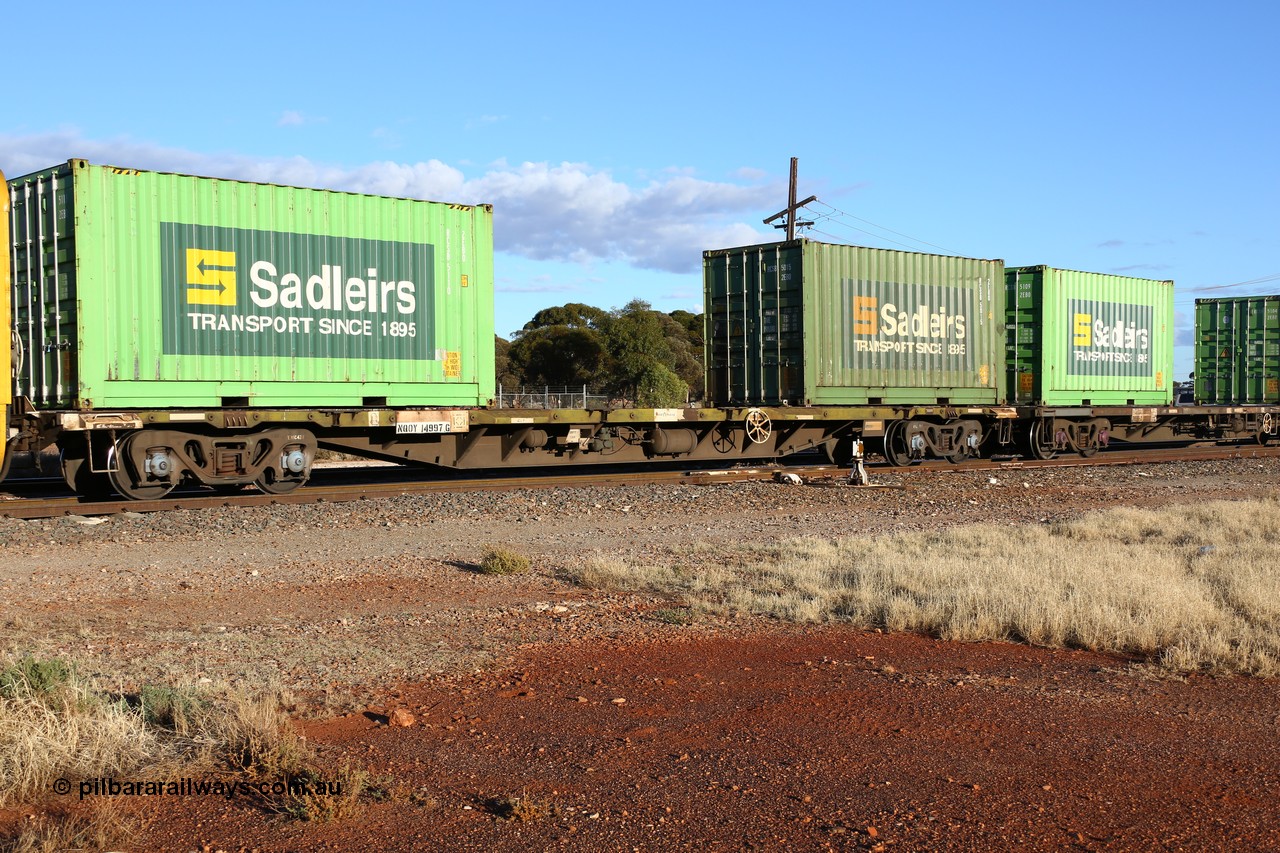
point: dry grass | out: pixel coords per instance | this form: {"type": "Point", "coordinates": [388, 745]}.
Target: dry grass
{"type": "Point", "coordinates": [253, 735]}
{"type": "Point", "coordinates": [346, 791]}
{"type": "Point", "coordinates": [53, 726]}
{"type": "Point", "coordinates": [521, 809]}
{"type": "Point", "coordinates": [1191, 587]}
{"type": "Point", "coordinates": [60, 728]}
{"type": "Point", "coordinates": [102, 827]}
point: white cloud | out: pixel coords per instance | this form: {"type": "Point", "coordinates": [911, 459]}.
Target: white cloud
{"type": "Point", "coordinates": [543, 211]}
{"type": "Point", "coordinates": [572, 211]}
{"type": "Point", "coordinates": [484, 121]}
{"type": "Point", "coordinates": [536, 288]}
{"type": "Point", "coordinates": [1183, 333]}
{"type": "Point", "coordinates": [291, 118]}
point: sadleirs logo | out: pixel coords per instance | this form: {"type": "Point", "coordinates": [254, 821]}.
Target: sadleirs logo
{"type": "Point", "coordinates": [1109, 338]}
{"type": "Point", "coordinates": [918, 320]}
{"type": "Point", "coordinates": [211, 277]}
{"type": "Point", "coordinates": [921, 323]}
{"type": "Point", "coordinates": [243, 292]}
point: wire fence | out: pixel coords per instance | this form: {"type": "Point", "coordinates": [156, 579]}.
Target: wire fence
{"type": "Point", "coordinates": [552, 397]}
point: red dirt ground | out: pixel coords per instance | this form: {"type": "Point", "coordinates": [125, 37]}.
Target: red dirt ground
{"type": "Point", "coordinates": [789, 739]}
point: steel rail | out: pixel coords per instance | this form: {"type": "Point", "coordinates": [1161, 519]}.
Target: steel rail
{"type": "Point", "coordinates": [52, 507]}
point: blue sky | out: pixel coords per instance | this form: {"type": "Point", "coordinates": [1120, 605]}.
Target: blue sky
{"type": "Point", "coordinates": [618, 142]}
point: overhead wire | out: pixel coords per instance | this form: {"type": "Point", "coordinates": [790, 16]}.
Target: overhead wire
{"type": "Point", "coordinates": [835, 216]}
{"type": "Point", "coordinates": [837, 212]}
{"type": "Point", "coordinates": [1252, 281]}
{"type": "Point", "coordinates": [868, 233]}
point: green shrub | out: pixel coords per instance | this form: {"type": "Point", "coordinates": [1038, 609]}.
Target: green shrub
{"type": "Point", "coordinates": [171, 708]}
{"type": "Point", "coordinates": [673, 615]}
{"type": "Point", "coordinates": [31, 677]}
{"type": "Point", "coordinates": [503, 561]}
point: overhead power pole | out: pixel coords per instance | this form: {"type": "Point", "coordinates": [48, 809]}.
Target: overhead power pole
{"type": "Point", "coordinates": [792, 208]}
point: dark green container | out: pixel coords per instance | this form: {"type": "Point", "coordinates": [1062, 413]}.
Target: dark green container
{"type": "Point", "coordinates": [1237, 357]}
{"type": "Point", "coordinates": [803, 323]}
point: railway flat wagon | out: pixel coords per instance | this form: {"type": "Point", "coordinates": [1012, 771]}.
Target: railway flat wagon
{"type": "Point", "coordinates": [183, 307]}
{"type": "Point", "coordinates": [804, 323]}
{"type": "Point", "coordinates": [1088, 339]}
{"type": "Point", "coordinates": [6, 338]}
{"type": "Point", "coordinates": [1237, 350]}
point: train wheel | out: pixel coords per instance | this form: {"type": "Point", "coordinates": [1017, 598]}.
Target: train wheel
{"type": "Point", "coordinates": [128, 482]}
{"type": "Point", "coordinates": [1089, 452]}
{"type": "Point", "coordinates": [895, 446]}
{"type": "Point", "coordinates": [268, 482]}
{"type": "Point", "coordinates": [1036, 445]}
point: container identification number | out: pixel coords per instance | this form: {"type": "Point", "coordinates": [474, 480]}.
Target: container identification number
{"type": "Point", "coordinates": [431, 428]}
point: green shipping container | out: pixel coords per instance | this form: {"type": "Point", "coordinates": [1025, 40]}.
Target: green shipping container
{"type": "Point", "coordinates": [803, 323]}
{"type": "Point", "coordinates": [135, 289]}
{"type": "Point", "coordinates": [6, 339]}
{"type": "Point", "coordinates": [1238, 350]}
{"type": "Point", "coordinates": [1088, 339]}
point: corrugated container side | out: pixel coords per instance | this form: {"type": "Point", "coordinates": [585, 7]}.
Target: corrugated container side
{"type": "Point", "coordinates": [1081, 338]}
{"type": "Point", "coordinates": [902, 327]}
{"type": "Point", "coordinates": [1237, 350]}
{"type": "Point", "coordinates": [807, 323]}
{"type": "Point", "coordinates": [179, 291]}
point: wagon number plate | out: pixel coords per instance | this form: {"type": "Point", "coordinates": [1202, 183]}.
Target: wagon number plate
{"type": "Point", "coordinates": [424, 428]}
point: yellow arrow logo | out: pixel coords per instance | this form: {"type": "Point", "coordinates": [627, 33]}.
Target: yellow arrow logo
{"type": "Point", "coordinates": [211, 277]}
{"type": "Point", "coordinates": [1084, 330]}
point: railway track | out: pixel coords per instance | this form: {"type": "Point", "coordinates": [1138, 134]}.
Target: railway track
{"type": "Point", "coordinates": [394, 482]}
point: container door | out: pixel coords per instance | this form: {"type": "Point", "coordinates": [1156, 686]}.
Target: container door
{"type": "Point", "coordinates": [1258, 349]}
{"type": "Point", "coordinates": [1210, 355]}
{"type": "Point", "coordinates": [1238, 350]}
{"type": "Point", "coordinates": [1024, 325]}
{"type": "Point", "coordinates": [43, 276]}
{"type": "Point", "coordinates": [754, 327]}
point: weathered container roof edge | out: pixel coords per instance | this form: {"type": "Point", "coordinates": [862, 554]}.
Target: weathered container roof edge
{"type": "Point", "coordinates": [1028, 267]}
{"type": "Point", "coordinates": [82, 162]}
{"type": "Point", "coordinates": [709, 253]}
